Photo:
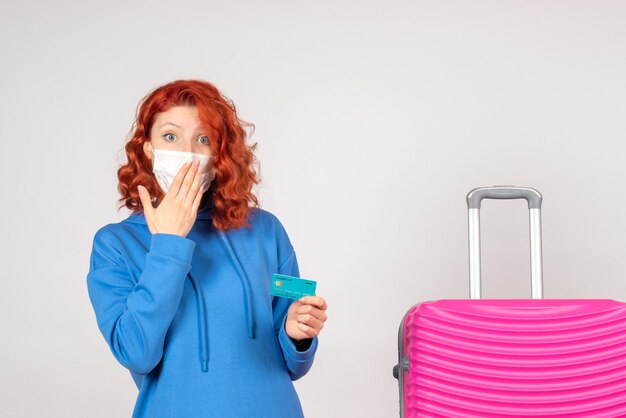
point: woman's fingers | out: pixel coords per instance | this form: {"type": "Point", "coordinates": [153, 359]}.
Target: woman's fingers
{"type": "Point", "coordinates": [193, 190]}
{"type": "Point", "coordinates": [146, 203]}
{"type": "Point", "coordinates": [146, 200]}
{"type": "Point", "coordinates": [312, 310]}
{"type": "Point", "coordinates": [307, 316]}
{"type": "Point", "coordinates": [144, 196]}
{"type": "Point", "coordinates": [311, 314]}
{"type": "Point", "coordinates": [311, 321]}
{"type": "Point", "coordinates": [314, 300]}
{"type": "Point", "coordinates": [183, 191]}
{"type": "Point", "coordinates": [196, 201]}
{"type": "Point", "coordinates": [178, 179]}
{"type": "Point", "coordinates": [309, 331]}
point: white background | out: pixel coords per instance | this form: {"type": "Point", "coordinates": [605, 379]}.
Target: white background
{"type": "Point", "coordinates": [374, 119]}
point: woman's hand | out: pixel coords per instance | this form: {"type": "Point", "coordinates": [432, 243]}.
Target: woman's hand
{"type": "Point", "coordinates": [306, 317]}
{"type": "Point", "coordinates": [178, 210]}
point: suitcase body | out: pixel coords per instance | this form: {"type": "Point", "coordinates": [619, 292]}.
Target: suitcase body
{"type": "Point", "coordinates": [479, 358]}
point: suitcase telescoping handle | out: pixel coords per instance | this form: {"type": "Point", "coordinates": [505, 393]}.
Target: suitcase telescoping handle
{"type": "Point", "coordinates": [533, 197]}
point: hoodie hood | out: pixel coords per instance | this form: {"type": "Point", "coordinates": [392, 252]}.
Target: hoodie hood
{"type": "Point", "coordinates": [204, 214]}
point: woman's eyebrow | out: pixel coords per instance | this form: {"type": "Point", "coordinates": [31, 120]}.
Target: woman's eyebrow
{"type": "Point", "coordinates": [199, 128]}
{"type": "Point", "coordinates": [170, 123]}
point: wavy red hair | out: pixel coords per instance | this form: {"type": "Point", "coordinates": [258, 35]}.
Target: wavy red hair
{"type": "Point", "coordinates": [234, 160]}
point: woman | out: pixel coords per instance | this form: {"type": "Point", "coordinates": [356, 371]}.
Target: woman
{"type": "Point", "coordinates": [218, 344]}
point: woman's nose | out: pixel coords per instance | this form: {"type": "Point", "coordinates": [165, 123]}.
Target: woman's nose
{"type": "Point", "coordinates": [187, 146]}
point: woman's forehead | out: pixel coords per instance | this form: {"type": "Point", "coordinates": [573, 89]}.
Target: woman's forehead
{"type": "Point", "coordinates": [181, 116]}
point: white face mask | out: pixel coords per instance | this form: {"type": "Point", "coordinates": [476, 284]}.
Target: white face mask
{"type": "Point", "coordinates": [167, 163]}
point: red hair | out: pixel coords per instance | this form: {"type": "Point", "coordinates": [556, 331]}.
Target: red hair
{"type": "Point", "coordinates": [235, 175]}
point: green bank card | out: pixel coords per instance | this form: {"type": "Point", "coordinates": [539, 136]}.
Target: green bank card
{"type": "Point", "coordinates": [292, 287]}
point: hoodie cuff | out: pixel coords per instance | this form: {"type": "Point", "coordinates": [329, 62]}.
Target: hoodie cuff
{"type": "Point", "coordinates": [290, 346]}
{"type": "Point", "coordinates": [302, 345]}
{"type": "Point", "coordinates": [172, 246]}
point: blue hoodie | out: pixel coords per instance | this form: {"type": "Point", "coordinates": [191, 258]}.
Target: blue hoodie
{"type": "Point", "coordinates": [211, 346]}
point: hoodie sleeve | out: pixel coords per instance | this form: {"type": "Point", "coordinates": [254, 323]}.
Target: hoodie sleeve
{"type": "Point", "coordinates": [134, 315]}
{"type": "Point", "coordinates": [298, 362]}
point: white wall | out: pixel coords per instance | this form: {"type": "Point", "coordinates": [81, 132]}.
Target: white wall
{"type": "Point", "coordinates": [374, 119]}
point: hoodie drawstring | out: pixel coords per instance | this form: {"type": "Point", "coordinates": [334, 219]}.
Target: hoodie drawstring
{"type": "Point", "coordinates": [202, 325]}
{"type": "Point", "coordinates": [202, 316]}
{"type": "Point", "coordinates": [245, 283]}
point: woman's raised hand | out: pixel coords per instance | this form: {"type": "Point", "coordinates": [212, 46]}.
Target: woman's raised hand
{"type": "Point", "coordinates": [178, 210]}
{"type": "Point", "coordinates": [306, 317]}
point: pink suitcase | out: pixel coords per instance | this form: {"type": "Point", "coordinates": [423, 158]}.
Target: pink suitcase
{"type": "Point", "coordinates": [512, 357]}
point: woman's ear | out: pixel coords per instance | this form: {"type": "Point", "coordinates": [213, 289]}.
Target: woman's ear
{"type": "Point", "coordinates": [147, 149]}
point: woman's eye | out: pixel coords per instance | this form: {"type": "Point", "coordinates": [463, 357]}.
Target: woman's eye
{"type": "Point", "coordinates": [166, 135]}
{"type": "Point", "coordinates": [204, 139]}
